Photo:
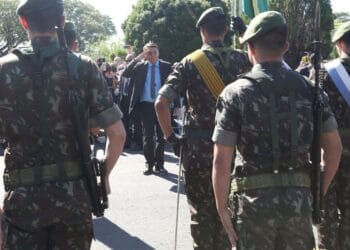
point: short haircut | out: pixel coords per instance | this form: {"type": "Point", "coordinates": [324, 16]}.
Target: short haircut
{"type": "Point", "coordinates": [272, 42]}
{"type": "Point", "coordinates": [46, 20]}
{"type": "Point", "coordinates": [216, 27]}
{"type": "Point", "coordinates": [151, 45]}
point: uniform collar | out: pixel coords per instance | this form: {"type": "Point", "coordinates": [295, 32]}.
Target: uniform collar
{"type": "Point", "coordinates": [46, 47]}
{"type": "Point", "coordinates": [215, 43]}
{"type": "Point", "coordinates": [345, 60]}
{"type": "Point", "coordinates": [267, 65]}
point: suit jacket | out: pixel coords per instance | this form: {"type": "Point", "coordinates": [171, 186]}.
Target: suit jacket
{"type": "Point", "coordinates": [137, 70]}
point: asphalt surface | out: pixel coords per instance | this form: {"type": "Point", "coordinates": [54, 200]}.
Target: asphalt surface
{"type": "Point", "coordinates": [142, 211]}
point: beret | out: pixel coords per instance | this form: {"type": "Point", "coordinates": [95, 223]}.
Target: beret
{"type": "Point", "coordinates": [210, 15]}
{"type": "Point", "coordinates": [341, 31]}
{"type": "Point", "coordinates": [29, 6]}
{"type": "Point", "coordinates": [263, 23]}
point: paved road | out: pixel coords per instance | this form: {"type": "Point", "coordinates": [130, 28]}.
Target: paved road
{"type": "Point", "coordinates": [142, 208]}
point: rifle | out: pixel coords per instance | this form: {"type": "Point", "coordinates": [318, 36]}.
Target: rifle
{"type": "Point", "coordinates": [317, 170]}
{"type": "Point", "coordinates": [93, 169]}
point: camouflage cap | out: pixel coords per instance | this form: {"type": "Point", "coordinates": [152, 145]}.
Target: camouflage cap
{"type": "Point", "coordinates": [341, 31]}
{"type": "Point", "coordinates": [69, 26]}
{"type": "Point", "coordinates": [263, 23]}
{"type": "Point", "coordinates": [210, 15]}
{"type": "Point", "coordinates": [29, 6]}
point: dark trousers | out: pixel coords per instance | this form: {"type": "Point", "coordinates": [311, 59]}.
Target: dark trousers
{"type": "Point", "coordinates": [135, 126]}
{"type": "Point", "coordinates": [124, 107]}
{"type": "Point", "coordinates": [153, 141]}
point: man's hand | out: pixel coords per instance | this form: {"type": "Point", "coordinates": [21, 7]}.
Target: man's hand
{"type": "Point", "coordinates": [237, 25]}
{"type": "Point", "coordinates": [175, 141]}
{"type": "Point", "coordinates": [226, 219]}
{"type": "Point", "coordinates": [142, 55]}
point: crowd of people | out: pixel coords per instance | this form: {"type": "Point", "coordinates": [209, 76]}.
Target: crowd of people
{"type": "Point", "coordinates": [245, 143]}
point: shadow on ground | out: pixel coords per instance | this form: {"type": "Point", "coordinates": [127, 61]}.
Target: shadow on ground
{"type": "Point", "coordinates": [116, 238]}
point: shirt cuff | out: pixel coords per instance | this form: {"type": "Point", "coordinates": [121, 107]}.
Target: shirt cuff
{"type": "Point", "coordinates": [106, 117]}
{"type": "Point", "coordinates": [329, 125]}
{"type": "Point", "coordinates": [224, 137]}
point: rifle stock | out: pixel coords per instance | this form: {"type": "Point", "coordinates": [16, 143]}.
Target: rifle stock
{"type": "Point", "coordinates": [92, 168]}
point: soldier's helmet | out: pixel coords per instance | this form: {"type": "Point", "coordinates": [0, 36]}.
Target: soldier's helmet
{"type": "Point", "coordinates": [343, 30]}
{"type": "Point", "coordinates": [262, 24]}
{"type": "Point", "coordinates": [29, 6]}
{"type": "Point", "coordinates": [209, 15]}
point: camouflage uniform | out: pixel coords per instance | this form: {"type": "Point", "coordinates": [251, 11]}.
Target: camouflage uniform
{"type": "Point", "coordinates": [335, 231]}
{"type": "Point", "coordinates": [267, 117]}
{"type": "Point", "coordinates": [206, 228]}
{"type": "Point", "coordinates": [56, 214]}
{"type": "Point", "coordinates": [269, 218]}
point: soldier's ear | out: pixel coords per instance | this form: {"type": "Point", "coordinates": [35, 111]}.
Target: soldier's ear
{"type": "Point", "coordinates": [23, 22]}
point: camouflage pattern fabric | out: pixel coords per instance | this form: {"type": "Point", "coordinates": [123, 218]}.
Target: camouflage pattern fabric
{"type": "Point", "coordinates": [33, 212]}
{"type": "Point", "coordinates": [50, 216]}
{"type": "Point", "coordinates": [206, 228]}
{"type": "Point", "coordinates": [271, 218]}
{"type": "Point", "coordinates": [276, 218]}
{"type": "Point", "coordinates": [335, 231]}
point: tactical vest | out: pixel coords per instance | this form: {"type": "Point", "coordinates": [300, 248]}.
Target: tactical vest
{"type": "Point", "coordinates": [293, 83]}
{"type": "Point", "coordinates": [60, 170]}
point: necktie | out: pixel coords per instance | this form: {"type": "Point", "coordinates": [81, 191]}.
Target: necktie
{"type": "Point", "coordinates": [153, 81]}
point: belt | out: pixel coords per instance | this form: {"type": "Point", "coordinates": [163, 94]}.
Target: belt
{"type": "Point", "coordinates": [36, 175]}
{"type": "Point", "coordinates": [240, 184]}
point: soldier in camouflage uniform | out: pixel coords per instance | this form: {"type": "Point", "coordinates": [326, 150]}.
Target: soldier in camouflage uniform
{"type": "Point", "coordinates": [70, 33]}
{"type": "Point", "coordinates": [206, 229]}
{"type": "Point", "coordinates": [335, 231]}
{"type": "Point", "coordinates": [46, 204]}
{"type": "Point", "coordinates": [267, 118]}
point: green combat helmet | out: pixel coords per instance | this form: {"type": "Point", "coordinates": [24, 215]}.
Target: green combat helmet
{"type": "Point", "coordinates": [209, 15]}
{"type": "Point", "coordinates": [341, 31]}
{"type": "Point", "coordinates": [29, 6]}
{"type": "Point", "coordinates": [263, 23]}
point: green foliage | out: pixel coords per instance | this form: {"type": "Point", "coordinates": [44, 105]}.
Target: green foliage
{"type": "Point", "coordinates": [300, 16]}
{"type": "Point", "coordinates": [91, 25]}
{"type": "Point", "coordinates": [106, 50]}
{"type": "Point", "coordinates": [169, 23]}
{"type": "Point", "coordinates": [11, 32]}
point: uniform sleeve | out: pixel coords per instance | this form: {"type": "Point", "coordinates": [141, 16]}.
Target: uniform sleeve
{"type": "Point", "coordinates": [227, 119]}
{"type": "Point", "coordinates": [329, 122]}
{"type": "Point", "coordinates": [103, 111]}
{"type": "Point", "coordinates": [176, 83]}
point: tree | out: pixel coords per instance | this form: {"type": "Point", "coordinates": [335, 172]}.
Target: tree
{"type": "Point", "coordinates": [11, 32]}
{"type": "Point", "coordinates": [91, 25]}
{"type": "Point", "coordinates": [106, 49]}
{"type": "Point", "coordinates": [300, 16]}
{"type": "Point", "coordinates": [169, 23]}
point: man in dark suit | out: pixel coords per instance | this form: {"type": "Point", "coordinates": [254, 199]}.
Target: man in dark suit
{"type": "Point", "coordinates": [149, 74]}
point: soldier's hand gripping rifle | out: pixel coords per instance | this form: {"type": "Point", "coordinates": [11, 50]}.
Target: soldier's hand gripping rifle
{"type": "Point", "coordinates": [317, 169]}
{"type": "Point", "coordinates": [93, 169]}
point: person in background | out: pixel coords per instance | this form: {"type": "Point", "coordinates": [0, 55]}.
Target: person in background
{"type": "Point", "coordinates": [149, 74]}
